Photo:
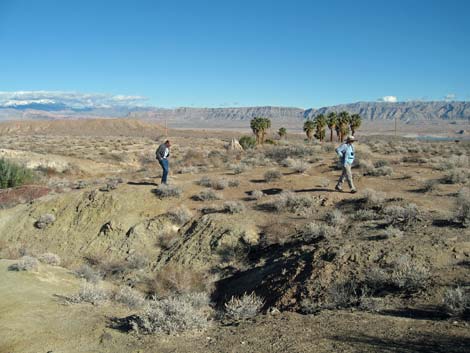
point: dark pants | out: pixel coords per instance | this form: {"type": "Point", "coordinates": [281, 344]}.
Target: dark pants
{"type": "Point", "coordinates": [165, 166]}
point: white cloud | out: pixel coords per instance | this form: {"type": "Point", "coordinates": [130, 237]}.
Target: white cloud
{"type": "Point", "coordinates": [389, 99]}
{"type": "Point", "coordinates": [450, 97]}
{"type": "Point", "coordinates": [72, 100]}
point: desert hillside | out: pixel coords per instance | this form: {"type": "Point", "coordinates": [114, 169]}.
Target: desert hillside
{"type": "Point", "coordinates": [246, 250]}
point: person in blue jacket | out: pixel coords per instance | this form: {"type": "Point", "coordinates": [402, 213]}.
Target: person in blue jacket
{"type": "Point", "coordinates": [346, 154]}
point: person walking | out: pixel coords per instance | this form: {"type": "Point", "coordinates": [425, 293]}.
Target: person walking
{"type": "Point", "coordinates": [162, 154]}
{"type": "Point", "coordinates": [346, 154]}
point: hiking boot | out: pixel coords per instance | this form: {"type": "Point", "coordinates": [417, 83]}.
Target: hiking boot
{"type": "Point", "coordinates": [353, 191]}
{"type": "Point", "coordinates": [337, 188]}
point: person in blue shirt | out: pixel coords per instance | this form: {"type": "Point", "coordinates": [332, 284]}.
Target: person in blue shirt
{"type": "Point", "coordinates": [346, 154]}
{"type": "Point", "coordinates": [162, 154]}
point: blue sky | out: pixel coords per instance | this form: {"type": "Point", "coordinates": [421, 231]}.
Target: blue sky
{"type": "Point", "coordinates": [229, 53]}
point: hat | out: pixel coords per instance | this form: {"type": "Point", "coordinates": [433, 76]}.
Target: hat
{"type": "Point", "coordinates": [350, 138]}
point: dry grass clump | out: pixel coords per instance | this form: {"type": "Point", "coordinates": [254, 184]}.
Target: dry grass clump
{"type": "Point", "coordinates": [245, 307]}
{"type": "Point", "coordinates": [233, 207]}
{"type": "Point", "coordinates": [50, 259]}
{"type": "Point", "coordinates": [233, 183]}
{"type": "Point", "coordinates": [392, 232]}
{"type": "Point", "coordinates": [26, 263]}
{"type": "Point", "coordinates": [174, 314]}
{"type": "Point", "coordinates": [335, 218]}
{"type": "Point", "coordinates": [410, 276]}
{"type": "Point", "coordinates": [456, 302]}
{"type": "Point", "coordinates": [462, 212]}
{"type": "Point", "coordinates": [218, 184]}
{"type": "Point", "coordinates": [129, 297]}
{"type": "Point", "coordinates": [165, 190]}
{"type": "Point", "coordinates": [272, 175]}
{"type": "Point", "coordinates": [291, 202]}
{"type": "Point", "coordinates": [93, 293]}
{"type": "Point", "coordinates": [344, 294]}
{"type": "Point", "coordinates": [207, 195]}
{"type": "Point", "coordinates": [165, 240]}
{"type": "Point", "coordinates": [180, 215]}
{"type": "Point", "coordinates": [365, 215]}
{"type": "Point", "coordinates": [298, 166]}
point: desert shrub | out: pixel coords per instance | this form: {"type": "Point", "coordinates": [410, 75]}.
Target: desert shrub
{"type": "Point", "coordinates": [12, 174]}
{"type": "Point", "coordinates": [402, 216]}
{"type": "Point", "coordinates": [233, 207]}
{"type": "Point", "coordinates": [44, 221]}
{"type": "Point", "coordinates": [335, 218]}
{"type": "Point", "coordinates": [238, 168]}
{"type": "Point", "coordinates": [344, 293]}
{"type": "Point", "coordinates": [430, 185]}
{"type": "Point", "coordinates": [463, 207]}
{"type": "Point", "coordinates": [315, 230]}
{"type": "Point", "coordinates": [180, 215]}
{"type": "Point", "coordinates": [233, 183]}
{"type": "Point", "coordinates": [373, 198]}
{"type": "Point", "coordinates": [381, 171]}
{"type": "Point", "coordinates": [93, 293]}
{"type": "Point", "coordinates": [89, 274]}
{"type": "Point", "coordinates": [137, 261]}
{"type": "Point", "coordinates": [219, 184]}
{"type": "Point", "coordinates": [381, 163]}
{"type": "Point", "coordinates": [456, 302]}
{"type": "Point", "coordinates": [453, 162]}
{"type": "Point", "coordinates": [178, 279]}
{"type": "Point", "coordinates": [247, 142]}
{"type": "Point", "coordinates": [294, 203]}
{"type": "Point", "coordinates": [245, 307]}
{"type": "Point", "coordinates": [165, 240]}
{"type": "Point", "coordinates": [366, 166]}
{"type": "Point", "coordinates": [299, 166]}
{"type": "Point", "coordinates": [165, 190]}
{"type": "Point", "coordinates": [392, 232]}
{"type": "Point", "coordinates": [365, 215]}
{"type": "Point", "coordinates": [207, 195]}
{"type": "Point", "coordinates": [280, 153]}
{"type": "Point", "coordinates": [457, 176]}
{"type": "Point", "coordinates": [288, 162]}
{"type": "Point", "coordinates": [205, 181]}
{"type": "Point", "coordinates": [26, 263]}
{"type": "Point", "coordinates": [174, 314]}
{"type": "Point", "coordinates": [409, 276]}
{"type": "Point", "coordinates": [257, 194]}
{"type": "Point", "coordinates": [50, 259]}
{"type": "Point", "coordinates": [272, 175]}
{"type": "Point", "coordinates": [129, 297]}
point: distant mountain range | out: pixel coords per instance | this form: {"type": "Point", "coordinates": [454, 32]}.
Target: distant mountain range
{"type": "Point", "coordinates": [405, 111]}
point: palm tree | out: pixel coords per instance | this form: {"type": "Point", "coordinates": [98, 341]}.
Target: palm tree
{"type": "Point", "coordinates": [355, 123]}
{"type": "Point", "coordinates": [259, 126]}
{"type": "Point", "coordinates": [320, 123]}
{"type": "Point", "coordinates": [331, 121]}
{"type": "Point", "coordinates": [343, 124]}
{"type": "Point", "coordinates": [282, 132]}
{"type": "Point", "coordinates": [309, 127]}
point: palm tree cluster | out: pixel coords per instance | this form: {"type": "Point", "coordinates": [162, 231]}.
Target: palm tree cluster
{"type": "Point", "coordinates": [260, 127]}
{"type": "Point", "coordinates": [341, 123]}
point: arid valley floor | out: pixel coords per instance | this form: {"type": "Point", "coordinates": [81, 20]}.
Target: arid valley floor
{"type": "Point", "coordinates": [246, 250]}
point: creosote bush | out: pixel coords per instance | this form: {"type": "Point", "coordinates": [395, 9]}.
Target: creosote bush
{"type": "Point", "coordinates": [245, 307]}
{"type": "Point", "coordinates": [291, 202]}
